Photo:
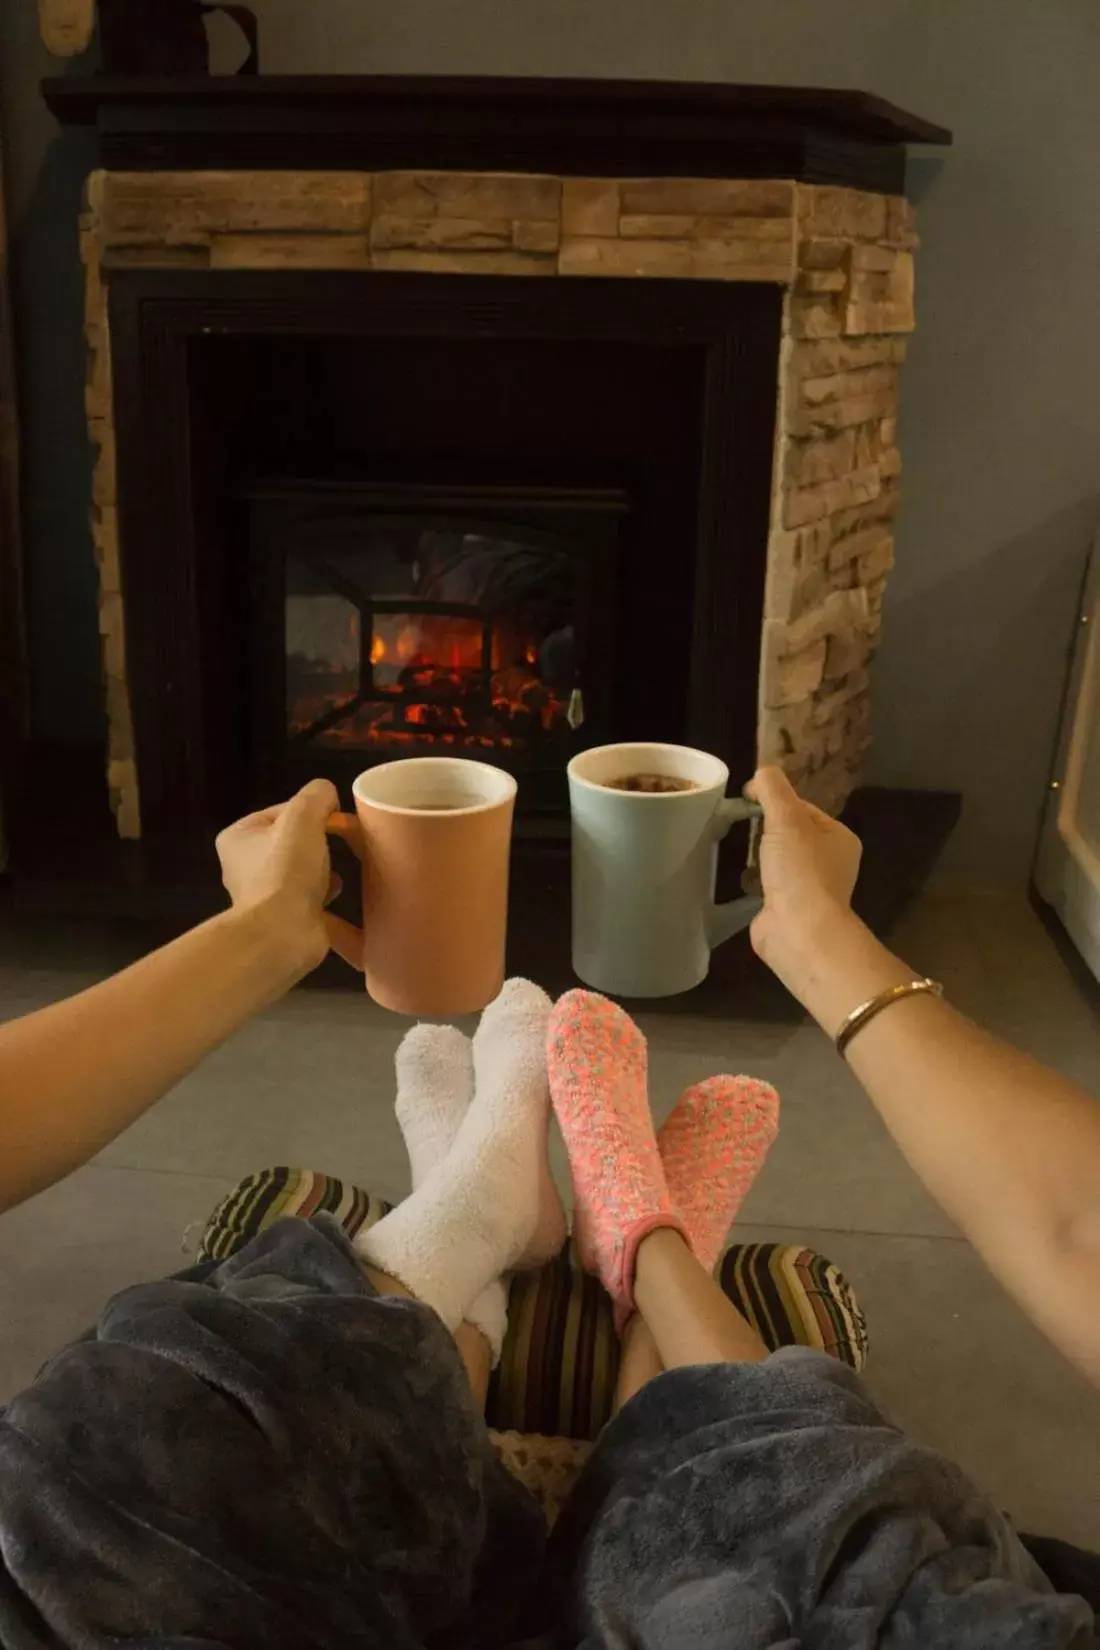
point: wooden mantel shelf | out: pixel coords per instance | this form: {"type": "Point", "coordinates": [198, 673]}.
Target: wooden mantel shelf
{"type": "Point", "coordinates": [604, 128]}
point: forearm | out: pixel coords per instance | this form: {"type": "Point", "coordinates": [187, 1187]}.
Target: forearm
{"type": "Point", "coordinates": [75, 1075]}
{"type": "Point", "coordinates": [1010, 1149]}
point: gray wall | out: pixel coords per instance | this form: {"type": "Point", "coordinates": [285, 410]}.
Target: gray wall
{"type": "Point", "coordinates": [1000, 434]}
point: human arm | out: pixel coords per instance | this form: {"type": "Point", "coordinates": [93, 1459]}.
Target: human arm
{"type": "Point", "coordinates": [74, 1075]}
{"type": "Point", "coordinates": [1010, 1149]}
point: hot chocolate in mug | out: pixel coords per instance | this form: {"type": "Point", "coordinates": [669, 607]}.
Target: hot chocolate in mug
{"type": "Point", "coordinates": [433, 834]}
{"type": "Point", "coordinates": [644, 866]}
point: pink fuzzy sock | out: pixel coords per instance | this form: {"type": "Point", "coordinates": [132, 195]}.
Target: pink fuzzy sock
{"type": "Point", "coordinates": [596, 1058]}
{"type": "Point", "coordinates": [713, 1147]}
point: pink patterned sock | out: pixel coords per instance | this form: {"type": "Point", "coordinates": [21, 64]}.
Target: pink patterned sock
{"type": "Point", "coordinates": [597, 1062]}
{"type": "Point", "coordinates": [713, 1147]}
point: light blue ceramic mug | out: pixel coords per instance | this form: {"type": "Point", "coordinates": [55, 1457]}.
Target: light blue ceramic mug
{"type": "Point", "coordinates": [644, 864]}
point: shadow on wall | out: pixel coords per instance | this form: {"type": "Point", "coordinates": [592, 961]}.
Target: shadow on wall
{"type": "Point", "coordinates": [1010, 657]}
{"type": "Point", "coordinates": [48, 296]}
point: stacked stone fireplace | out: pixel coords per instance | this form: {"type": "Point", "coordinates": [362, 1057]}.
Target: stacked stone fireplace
{"type": "Point", "coordinates": [841, 257]}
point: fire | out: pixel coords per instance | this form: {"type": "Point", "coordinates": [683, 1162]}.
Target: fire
{"type": "Point", "coordinates": [430, 688]}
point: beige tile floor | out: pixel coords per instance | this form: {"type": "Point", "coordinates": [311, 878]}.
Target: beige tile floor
{"type": "Point", "coordinates": [311, 1082]}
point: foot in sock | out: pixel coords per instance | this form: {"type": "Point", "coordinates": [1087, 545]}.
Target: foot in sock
{"type": "Point", "coordinates": [509, 1048]}
{"type": "Point", "coordinates": [713, 1147]}
{"type": "Point", "coordinates": [489, 1205]}
{"type": "Point", "coordinates": [597, 1063]}
{"type": "Point", "coordinates": [435, 1085]}
{"type": "Point", "coordinates": [435, 1088]}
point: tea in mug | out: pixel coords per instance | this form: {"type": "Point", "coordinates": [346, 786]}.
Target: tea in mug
{"type": "Point", "coordinates": [653, 784]}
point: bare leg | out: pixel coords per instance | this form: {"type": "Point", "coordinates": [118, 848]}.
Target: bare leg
{"type": "Point", "coordinates": [477, 1355]}
{"type": "Point", "coordinates": [639, 1363]}
{"type": "Point", "coordinates": [472, 1346]}
{"type": "Point", "coordinates": [691, 1320]}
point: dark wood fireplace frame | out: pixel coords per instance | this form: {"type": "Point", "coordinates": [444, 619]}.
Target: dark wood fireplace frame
{"type": "Point", "coordinates": [582, 128]}
{"type": "Point", "coordinates": [182, 743]}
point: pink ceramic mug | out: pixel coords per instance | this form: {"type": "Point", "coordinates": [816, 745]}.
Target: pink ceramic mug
{"type": "Point", "coordinates": [433, 834]}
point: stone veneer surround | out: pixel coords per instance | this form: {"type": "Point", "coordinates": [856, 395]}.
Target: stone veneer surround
{"type": "Point", "coordinates": [845, 258]}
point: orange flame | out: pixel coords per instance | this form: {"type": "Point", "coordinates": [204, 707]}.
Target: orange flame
{"type": "Point", "coordinates": [443, 659]}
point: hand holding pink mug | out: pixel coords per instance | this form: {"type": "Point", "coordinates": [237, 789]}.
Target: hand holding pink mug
{"type": "Point", "coordinates": [433, 836]}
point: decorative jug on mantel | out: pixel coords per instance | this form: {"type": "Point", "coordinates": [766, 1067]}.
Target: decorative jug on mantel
{"type": "Point", "coordinates": [144, 37]}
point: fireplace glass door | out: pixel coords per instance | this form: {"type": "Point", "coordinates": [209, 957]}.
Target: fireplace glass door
{"type": "Point", "coordinates": [413, 634]}
{"type": "Point", "coordinates": [428, 636]}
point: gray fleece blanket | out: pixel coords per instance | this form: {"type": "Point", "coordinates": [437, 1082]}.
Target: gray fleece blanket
{"type": "Point", "coordinates": [265, 1455]}
{"type": "Point", "coordinates": [769, 1506]}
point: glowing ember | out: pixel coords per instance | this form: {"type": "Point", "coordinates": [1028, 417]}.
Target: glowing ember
{"type": "Point", "coordinates": [425, 634]}
{"type": "Point", "coordinates": [430, 687]}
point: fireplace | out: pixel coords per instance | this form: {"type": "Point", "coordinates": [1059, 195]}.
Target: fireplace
{"type": "Point", "coordinates": [476, 515]}
{"type": "Point", "coordinates": [563, 414]}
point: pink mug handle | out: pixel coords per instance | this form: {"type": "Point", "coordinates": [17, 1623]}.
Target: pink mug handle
{"type": "Point", "coordinates": [345, 939]}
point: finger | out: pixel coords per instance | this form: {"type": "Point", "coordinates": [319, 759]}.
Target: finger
{"type": "Point", "coordinates": [335, 887]}
{"type": "Point", "coordinates": [345, 940]}
{"type": "Point", "coordinates": [775, 794]}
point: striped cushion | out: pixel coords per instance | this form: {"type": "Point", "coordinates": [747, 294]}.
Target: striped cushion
{"type": "Point", "coordinates": [795, 1297]}
{"type": "Point", "coordinates": [561, 1355]}
{"type": "Point", "coordinates": [560, 1360]}
{"type": "Point", "coordinates": [271, 1194]}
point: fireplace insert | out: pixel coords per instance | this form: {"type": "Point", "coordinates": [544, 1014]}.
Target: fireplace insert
{"type": "Point", "coordinates": [411, 620]}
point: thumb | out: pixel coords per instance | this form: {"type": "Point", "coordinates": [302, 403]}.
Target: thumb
{"type": "Point", "coordinates": [775, 794]}
{"type": "Point", "coordinates": [318, 799]}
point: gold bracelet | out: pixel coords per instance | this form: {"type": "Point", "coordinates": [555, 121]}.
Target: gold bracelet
{"type": "Point", "coordinates": [859, 1017]}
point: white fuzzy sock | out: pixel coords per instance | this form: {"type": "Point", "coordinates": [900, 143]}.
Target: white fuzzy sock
{"type": "Point", "coordinates": [510, 1076]}
{"type": "Point", "coordinates": [490, 1206]}
{"type": "Point", "coordinates": [435, 1086]}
